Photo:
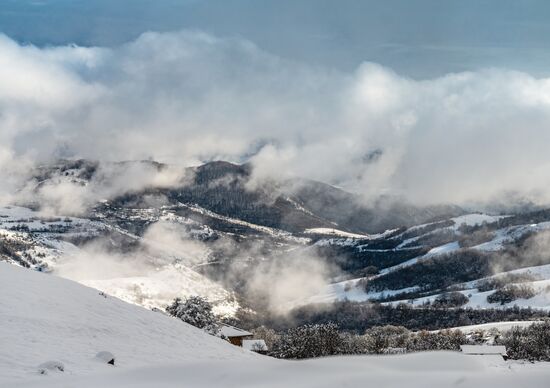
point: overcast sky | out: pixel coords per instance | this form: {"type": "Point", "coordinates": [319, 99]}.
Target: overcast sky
{"type": "Point", "coordinates": [439, 101]}
{"type": "Point", "coordinates": [420, 38]}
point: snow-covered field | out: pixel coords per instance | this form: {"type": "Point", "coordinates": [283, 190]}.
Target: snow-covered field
{"type": "Point", "coordinates": [49, 319]}
{"type": "Point", "coordinates": [442, 369]}
{"type": "Point", "coordinates": [351, 290]}
{"type": "Point", "coordinates": [335, 232]}
{"type": "Point", "coordinates": [500, 326]}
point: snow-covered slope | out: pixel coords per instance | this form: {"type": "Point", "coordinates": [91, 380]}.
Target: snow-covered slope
{"type": "Point", "coordinates": [47, 318]}
{"type": "Point", "coordinates": [440, 250]}
{"type": "Point", "coordinates": [500, 326]}
{"type": "Point", "coordinates": [335, 232]}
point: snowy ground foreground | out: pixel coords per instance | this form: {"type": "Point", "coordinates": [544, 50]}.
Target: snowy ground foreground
{"type": "Point", "coordinates": [46, 318]}
{"type": "Point", "coordinates": [442, 369]}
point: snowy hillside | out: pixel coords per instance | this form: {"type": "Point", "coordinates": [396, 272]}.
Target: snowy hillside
{"type": "Point", "coordinates": [416, 265]}
{"type": "Point", "coordinates": [151, 279]}
{"type": "Point", "coordinates": [50, 320]}
{"type": "Point", "coordinates": [46, 318]}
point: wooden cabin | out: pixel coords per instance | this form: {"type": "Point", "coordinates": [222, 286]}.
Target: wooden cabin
{"type": "Point", "coordinates": [234, 334]}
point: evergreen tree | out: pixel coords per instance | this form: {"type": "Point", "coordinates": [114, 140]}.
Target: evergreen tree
{"type": "Point", "coordinates": [196, 311]}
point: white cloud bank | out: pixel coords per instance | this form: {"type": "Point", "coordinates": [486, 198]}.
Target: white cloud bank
{"type": "Point", "coordinates": [187, 97]}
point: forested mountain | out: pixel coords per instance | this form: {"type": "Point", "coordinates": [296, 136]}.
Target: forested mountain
{"type": "Point", "coordinates": [217, 231]}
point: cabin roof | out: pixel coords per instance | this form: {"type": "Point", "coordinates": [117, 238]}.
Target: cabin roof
{"type": "Point", "coordinates": [483, 349]}
{"type": "Point", "coordinates": [231, 331]}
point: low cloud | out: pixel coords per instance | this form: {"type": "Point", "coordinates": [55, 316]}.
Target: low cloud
{"type": "Point", "coordinates": [282, 282]}
{"type": "Point", "coordinates": [66, 192]}
{"type": "Point", "coordinates": [173, 240]}
{"type": "Point", "coordinates": [163, 266]}
{"type": "Point", "coordinates": [533, 250]}
{"type": "Point", "coordinates": [98, 261]}
{"type": "Point", "coordinates": [188, 97]}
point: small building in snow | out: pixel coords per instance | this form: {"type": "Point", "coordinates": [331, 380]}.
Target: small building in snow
{"type": "Point", "coordinates": [485, 350]}
{"type": "Point", "coordinates": [234, 334]}
{"type": "Point", "coordinates": [255, 345]}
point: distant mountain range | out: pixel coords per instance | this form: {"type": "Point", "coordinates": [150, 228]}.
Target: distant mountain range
{"type": "Point", "coordinates": [292, 205]}
{"type": "Point", "coordinates": [387, 251]}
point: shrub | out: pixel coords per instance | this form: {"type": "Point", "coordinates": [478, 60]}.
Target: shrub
{"type": "Point", "coordinates": [450, 299]}
{"type": "Point", "coordinates": [353, 344]}
{"type": "Point", "coordinates": [441, 340]}
{"type": "Point", "coordinates": [502, 280]}
{"type": "Point", "coordinates": [379, 338]}
{"type": "Point", "coordinates": [510, 293]}
{"type": "Point", "coordinates": [476, 237]}
{"type": "Point", "coordinates": [530, 343]}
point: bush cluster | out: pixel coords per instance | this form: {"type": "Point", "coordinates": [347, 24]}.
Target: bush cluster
{"type": "Point", "coordinates": [510, 293]}
{"type": "Point", "coordinates": [310, 341]}
{"type": "Point", "coordinates": [530, 343]}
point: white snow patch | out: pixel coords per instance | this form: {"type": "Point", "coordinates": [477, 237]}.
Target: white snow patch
{"type": "Point", "coordinates": [335, 232]}
{"type": "Point", "coordinates": [500, 326]}
{"type": "Point", "coordinates": [260, 228]}
{"type": "Point", "coordinates": [351, 290]}
{"type": "Point", "coordinates": [440, 250]}
{"type": "Point", "coordinates": [159, 289]}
